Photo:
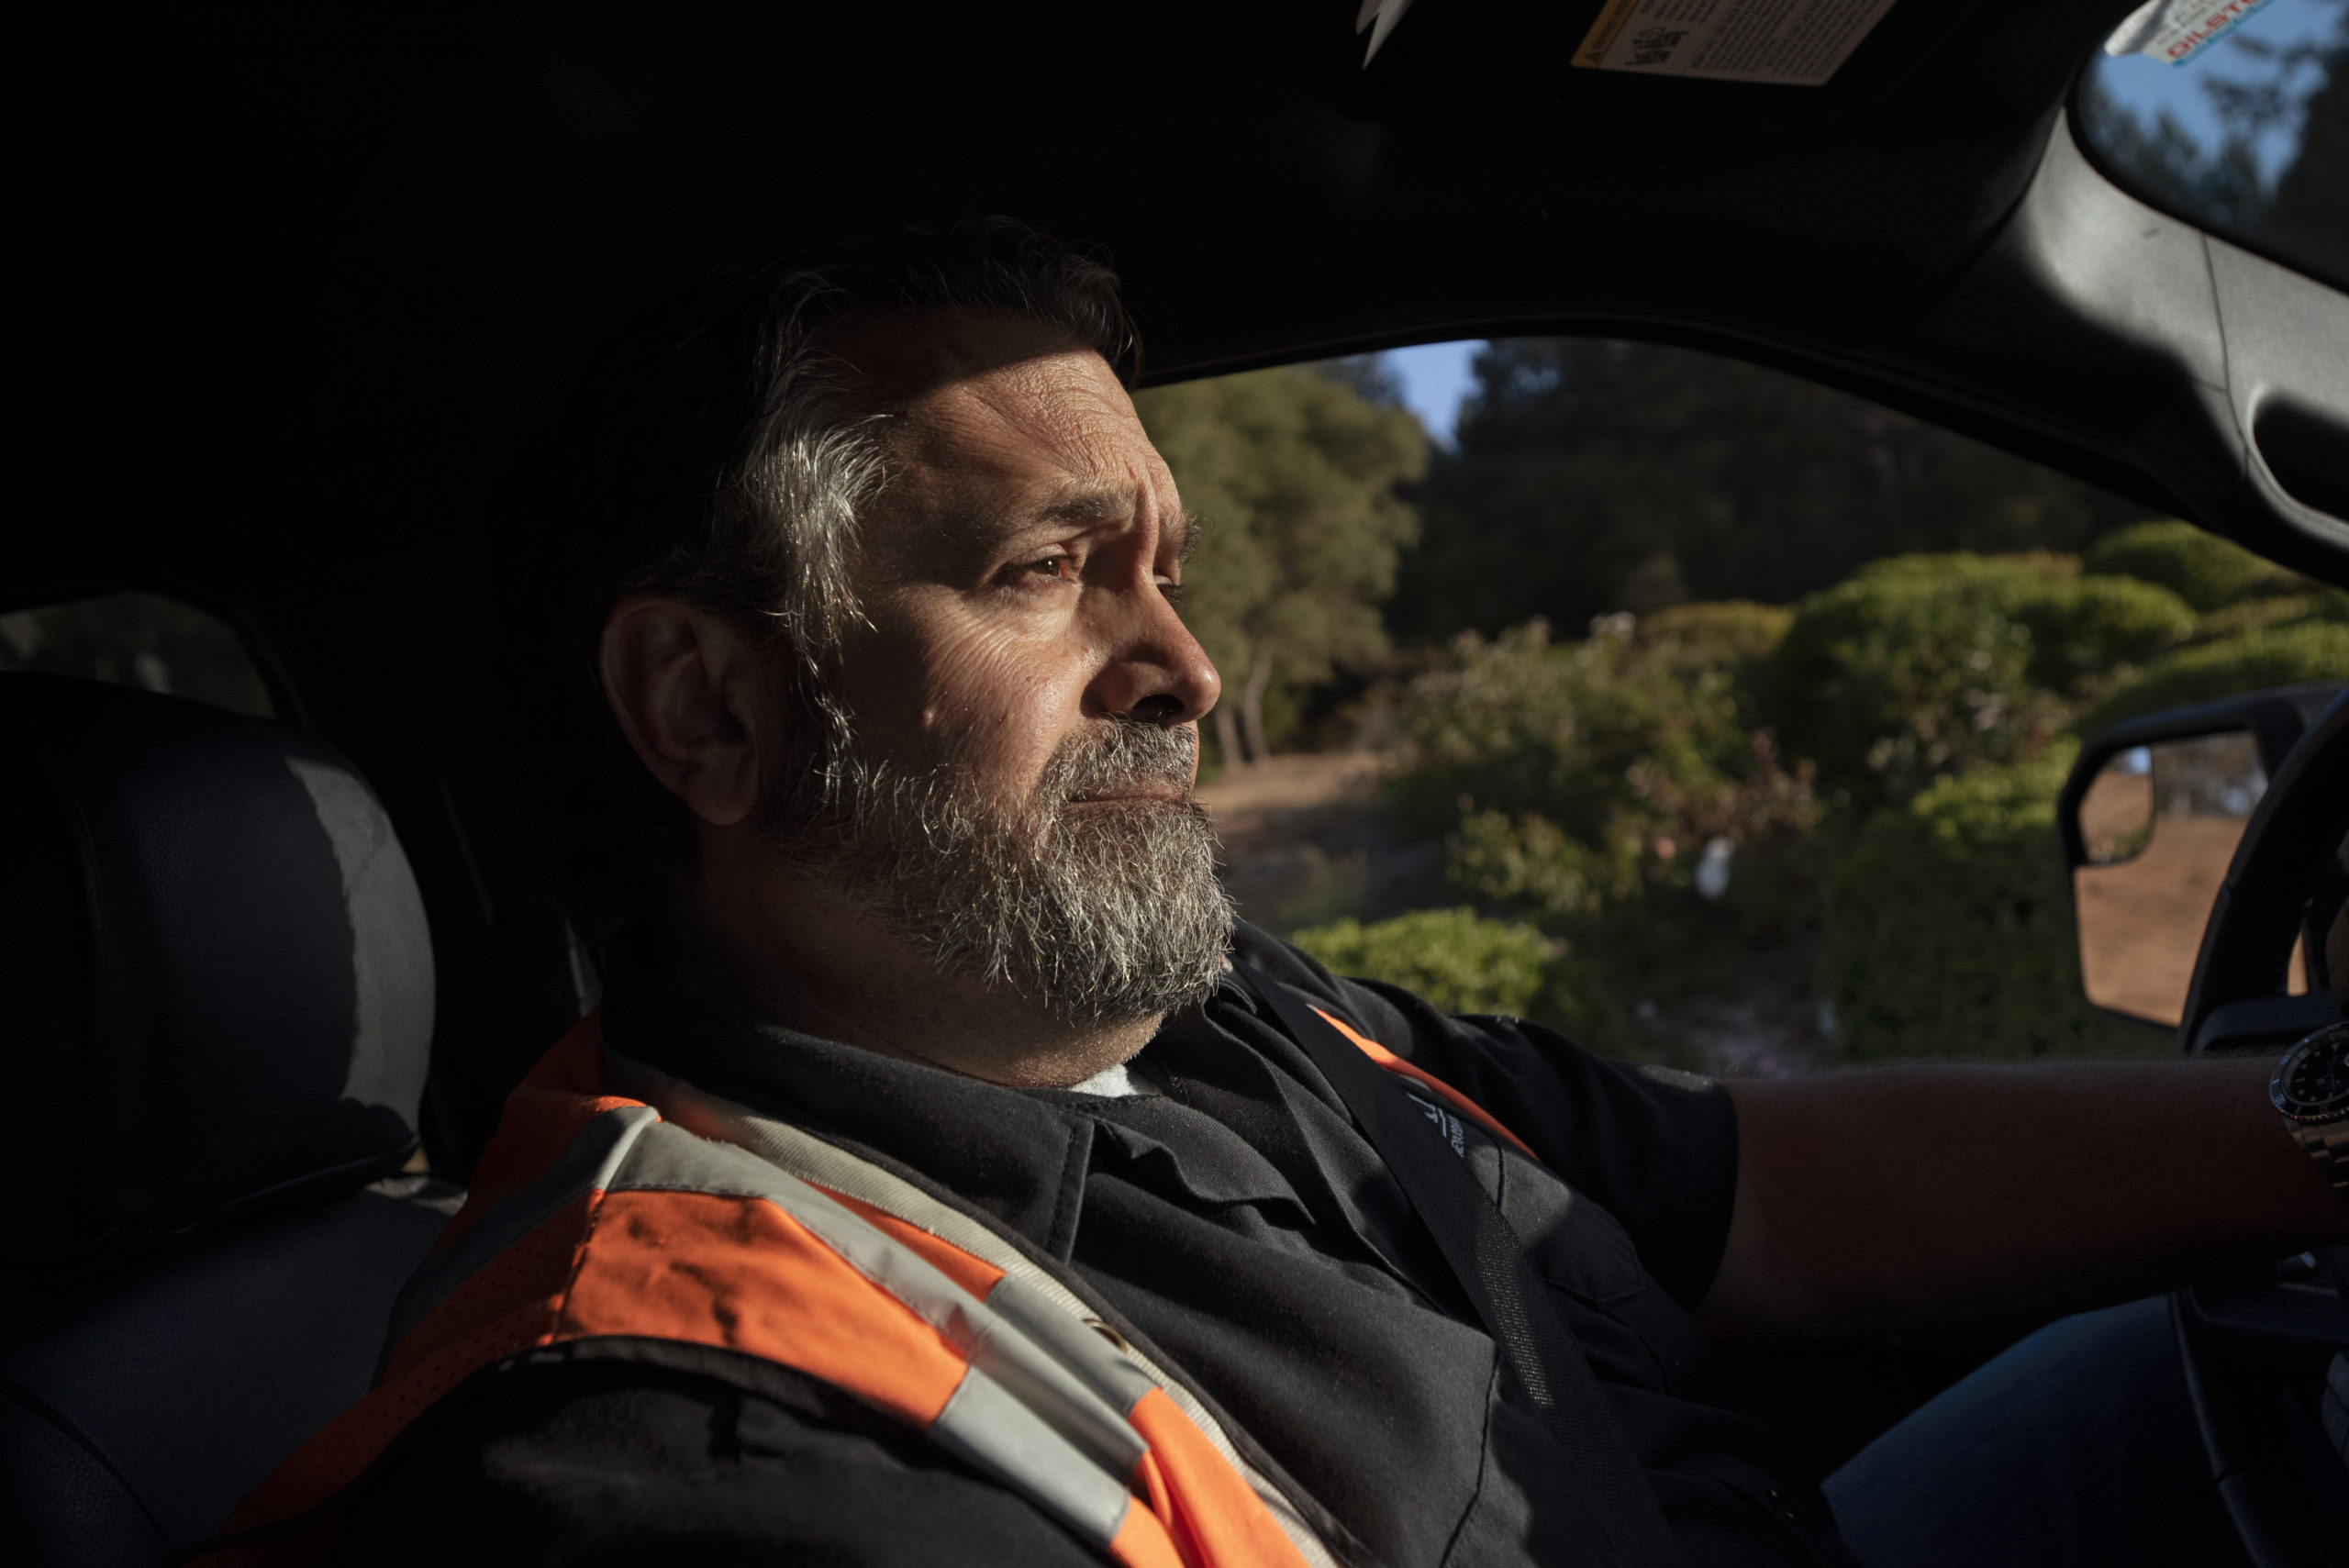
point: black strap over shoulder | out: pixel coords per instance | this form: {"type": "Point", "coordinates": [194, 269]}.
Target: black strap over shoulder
{"type": "Point", "coordinates": [1538, 1351]}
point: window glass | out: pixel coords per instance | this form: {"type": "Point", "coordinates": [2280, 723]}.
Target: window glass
{"type": "Point", "coordinates": [138, 639]}
{"type": "Point", "coordinates": [2233, 115]}
{"type": "Point", "coordinates": [1709, 715]}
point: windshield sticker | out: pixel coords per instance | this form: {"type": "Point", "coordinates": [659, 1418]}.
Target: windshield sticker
{"type": "Point", "coordinates": [2176, 31]}
{"type": "Point", "coordinates": [1794, 43]}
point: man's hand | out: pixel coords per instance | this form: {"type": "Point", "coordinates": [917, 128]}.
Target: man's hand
{"type": "Point", "coordinates": [1943, 1199]}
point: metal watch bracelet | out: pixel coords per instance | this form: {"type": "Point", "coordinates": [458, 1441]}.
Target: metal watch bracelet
{"type": "Point", "coordinates": [2327, 1144]}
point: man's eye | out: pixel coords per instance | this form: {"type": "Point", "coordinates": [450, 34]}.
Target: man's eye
{"type": "Point", "coordinates": [1062, 567]}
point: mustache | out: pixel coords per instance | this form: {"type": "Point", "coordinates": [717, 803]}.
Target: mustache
{"type": "Point", "coordinates": [1109, 912]}
{"type": "Point", "coordinates": [1122, 755]}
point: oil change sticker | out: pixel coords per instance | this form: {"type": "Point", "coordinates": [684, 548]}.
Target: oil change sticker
{"type": "Point", "coordinates": [2176, 31]}
{"type": "Point", "coordinates": [1796, 43]}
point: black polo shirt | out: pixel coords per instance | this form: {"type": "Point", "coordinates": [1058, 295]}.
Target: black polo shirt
{"type": "Point", "coordinates": [1231, 1218]}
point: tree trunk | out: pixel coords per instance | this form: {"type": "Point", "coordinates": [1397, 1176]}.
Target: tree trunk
{"type": "Point", "coordinates": [1227, 737]}
{"type": "Point", "coordinates": [1252, 703]}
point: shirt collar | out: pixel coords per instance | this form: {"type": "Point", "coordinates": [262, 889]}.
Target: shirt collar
{"type": "Point", "coordinates": [1018, 1158]}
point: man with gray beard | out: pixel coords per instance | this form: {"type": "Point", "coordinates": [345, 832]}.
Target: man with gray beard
{"type": "Point", "coordinates": [1091, 903]}
{"type": "Point", "coordinates": [947, 1178]}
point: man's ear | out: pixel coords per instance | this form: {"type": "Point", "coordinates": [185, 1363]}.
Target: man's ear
{"type": "Point", "coordinates": [695, 697]}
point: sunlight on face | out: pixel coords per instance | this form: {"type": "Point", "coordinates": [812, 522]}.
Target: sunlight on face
{"type": "Point", "coordinates": [1024, 699]}
{"type": "Point", "coordinates": [1019, 572]}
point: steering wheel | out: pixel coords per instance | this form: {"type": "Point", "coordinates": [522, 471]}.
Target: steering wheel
{"type": "Point", "coordinates": [2266, 1359]}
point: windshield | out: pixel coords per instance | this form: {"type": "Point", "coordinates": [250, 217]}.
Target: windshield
{"type": "Point", "coordinates": [2233, 115]}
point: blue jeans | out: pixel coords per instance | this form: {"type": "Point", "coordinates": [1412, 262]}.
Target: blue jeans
{"type": "Point", "coordinates": [2074, 1448]}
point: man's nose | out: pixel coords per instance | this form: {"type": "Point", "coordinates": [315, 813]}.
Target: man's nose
{"type": "Point", "coordinates": [1157, 673]}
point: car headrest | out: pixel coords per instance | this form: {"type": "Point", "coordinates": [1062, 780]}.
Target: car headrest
{"type": "Point", "coordinates": [216, 977]}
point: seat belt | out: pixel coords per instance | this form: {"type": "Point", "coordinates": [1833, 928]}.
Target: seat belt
{"type": "Point", "coordinates": [1537, 1349]}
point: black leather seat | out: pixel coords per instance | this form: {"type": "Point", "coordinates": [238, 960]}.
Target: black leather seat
{"type": "Point", "coordinates": [215, 1006]}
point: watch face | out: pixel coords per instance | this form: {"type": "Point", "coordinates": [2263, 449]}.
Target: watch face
{"type": "Point", "coordinates": [2311, 1084]}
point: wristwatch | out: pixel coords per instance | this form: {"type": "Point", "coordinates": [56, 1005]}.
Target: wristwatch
{"type": "Point", "coordinates": [2311, 1089]}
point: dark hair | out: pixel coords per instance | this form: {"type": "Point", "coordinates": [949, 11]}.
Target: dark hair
{"type": "Point", "coordinates": [717, 452]}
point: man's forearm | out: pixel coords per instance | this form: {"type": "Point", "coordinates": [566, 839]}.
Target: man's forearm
{"type": "Point", "coordinates": [1946, 1198]}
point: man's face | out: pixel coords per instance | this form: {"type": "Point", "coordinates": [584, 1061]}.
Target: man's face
{"type": "Point", "coordinates": [1024, 700]}
{"type": "Point", "coordinates": [1020, 571]}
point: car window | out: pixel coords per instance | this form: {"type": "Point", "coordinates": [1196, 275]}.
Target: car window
{"type": "Point", "coordinates": [2233, 115]}
{"type": "Point", "coordinates": [1707, 715]}
{"type": "Point", "coordinates": [138, 640]}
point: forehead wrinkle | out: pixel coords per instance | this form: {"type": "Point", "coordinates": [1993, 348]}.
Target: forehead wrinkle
{"type": "Point", "coordinates": [1087, 507]}
{"type": "Point", "coordinates": [966, 432]}
{"type": "Point", "coordinates": [1093, 506]}
{"type": "Point", "coordinates": [962, 433]}
{"type": "Point", "coordinates": [971, 525]}
{"type": "Point", "coordinates": [1081, 507]}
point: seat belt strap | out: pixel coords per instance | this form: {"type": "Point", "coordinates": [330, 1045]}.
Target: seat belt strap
{"type": "Point", "coordinates": [1538, 1351]}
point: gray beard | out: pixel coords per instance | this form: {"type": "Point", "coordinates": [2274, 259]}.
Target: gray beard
{"type": "Point", "coordinates": [1101, 913]}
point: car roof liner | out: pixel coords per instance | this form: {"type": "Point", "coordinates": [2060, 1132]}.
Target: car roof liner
{"type": "Point", "coordinates": [392, 237]}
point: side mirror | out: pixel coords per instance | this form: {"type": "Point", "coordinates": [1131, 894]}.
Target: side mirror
{"type": "Point", "coordinates": [2151, 817]}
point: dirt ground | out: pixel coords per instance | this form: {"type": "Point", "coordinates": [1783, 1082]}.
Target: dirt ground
{"type": "Point", "coordinates": [1306, 840]}
{"type": "Point", "coordinates": [1242, 797]}
{"type": "Point", "coordinates": [2141, 921]}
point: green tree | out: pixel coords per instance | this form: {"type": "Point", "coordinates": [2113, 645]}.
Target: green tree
{"type": "Point", "coordinates": [1593, 477]}
{"type": "Point", "coordinates": [1295, 476]}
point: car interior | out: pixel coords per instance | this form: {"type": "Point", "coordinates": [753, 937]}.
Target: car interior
{"type": "Point", "coordinates": [276, 946]}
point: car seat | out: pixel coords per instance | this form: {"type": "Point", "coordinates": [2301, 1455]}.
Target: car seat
{"type": "Point", "coordinates": [216, 1007]}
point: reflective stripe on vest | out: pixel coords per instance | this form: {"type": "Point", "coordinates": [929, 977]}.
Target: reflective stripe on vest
{"type": "Point", "coordinates": [682, 1216]}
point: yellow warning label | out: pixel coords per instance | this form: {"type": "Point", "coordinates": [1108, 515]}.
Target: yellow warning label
{"type": "Point", "coordinates": [1594, 44]}
{"type": "Point", "coordinates": [1796, 43]}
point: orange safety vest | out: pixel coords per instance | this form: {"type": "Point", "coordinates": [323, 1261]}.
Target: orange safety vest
{"type": "Point", "coordinates": [614, 1200]}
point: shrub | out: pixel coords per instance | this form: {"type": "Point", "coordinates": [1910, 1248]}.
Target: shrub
{"type": "Point", "coordinates": [1916, 667]}
{"type": "Point", "coordinates": [1463, 963]}
{"type": "Point", "coordinates": [2204, 570]}
{"type": "Point", "coordinates": [1455, 958]}
{"type": "Point", "coordinates": [1651, 920]}
{"type": "Point", "coordinates": [2311, 650]}
{"type": "Point", "coordinates": [1577, 776]}
{"type": "Point", "coordinates": [1731, 638]}
{"type": "Point", "coordinates": [1517, 725]}
{"type": "Point", "coordinates": [1525, 862]}
{"type": "Point", "coordinates": [2084, 626]}
{"type": "Point", "coordinates": [1949, 929]}
{"type": "Point", "coordinates": [1923, 665]}
{"type": "Point", "coordinates": [2022, 566]}
{"type": "Point", "coordinates": [2329, 605]}
{"type": "Point", "coordinates": [1732, 635]}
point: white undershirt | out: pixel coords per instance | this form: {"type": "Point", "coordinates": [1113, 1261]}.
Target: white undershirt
{"type": "Point", "coordinates": [1114, 1083]}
